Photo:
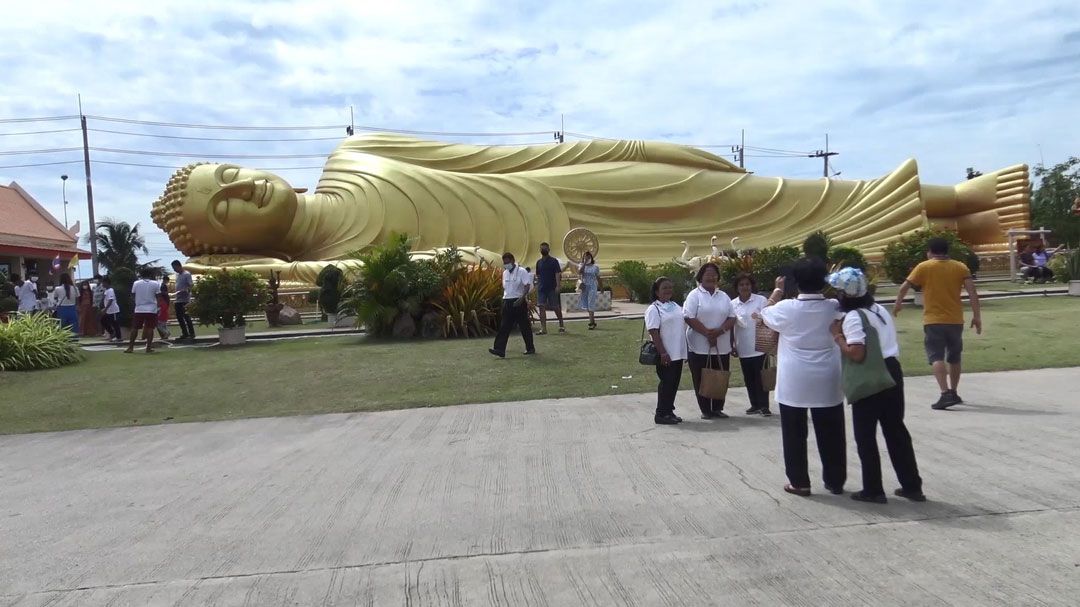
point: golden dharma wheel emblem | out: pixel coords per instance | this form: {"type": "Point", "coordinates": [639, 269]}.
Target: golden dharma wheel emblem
{"type": "Point", "coordinates": [579, 241]}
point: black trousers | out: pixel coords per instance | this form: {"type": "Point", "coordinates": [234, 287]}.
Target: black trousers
{"type": "Point", "coordinates": [111, 322]}
{"type": "Point", "coordinates": [1037, 272]}
{"type": "Point", "coordinates": [187, 329]}
{"type": "Point", "coordinates": [751, 370]}
{"type": "Point", "coordinates": [697, 363]}
{"type": "Point", "coordinates": [831, 443]}
{"type": "Point", "coordinates": [669, 375]}
{"type": "Point", "coordinates": [514, 314]}
{"type": "Point", "coordinates": [885, 408]}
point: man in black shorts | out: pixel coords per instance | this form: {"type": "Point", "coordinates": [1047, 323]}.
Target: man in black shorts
{"type": "Point", "coordinates": [549, 277]}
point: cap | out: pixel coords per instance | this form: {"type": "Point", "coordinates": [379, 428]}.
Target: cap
{"type": "Point", "coordinates": [850, 281]}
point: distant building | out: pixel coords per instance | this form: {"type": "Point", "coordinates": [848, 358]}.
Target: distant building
{"type": "Point", "coordinates": [31, 238]}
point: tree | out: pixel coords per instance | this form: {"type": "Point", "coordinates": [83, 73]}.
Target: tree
{"type": "Point", "coordinates": [119, 245]}
{"type": "Point", "coordinates": [1054, 199]}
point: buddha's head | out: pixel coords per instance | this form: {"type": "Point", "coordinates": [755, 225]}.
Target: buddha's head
{"type": "Point", "coordinates": [224, 208]}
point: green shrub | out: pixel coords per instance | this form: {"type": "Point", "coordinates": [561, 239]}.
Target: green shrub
{"type": "Point", "coordinates": [817, 244]}
{"type": "Point", "coordinates": [8, 301]}
{"type": "Point", "coordinates": [122, 279]}
{"type": "Point", "coordinates": [680, 276]}
{"type": "Point", "coordinates": [847, 257]}
{"type": "Point", "coordinates": [769, 263]}
{"type": "Point", "coordinates": [36, 341]}
{"type": "Point", "coordinates": [634, 277]}
{"type": "Point", "coordinates": [1058, 265]}
{"type": "Point", "coordinates": [223, 298]}
{"type": "Point", "coordinates": [1072, 265]}
{"type": "Point", "coordinates": [902, 255]}
{"type": "Point", "coordinates": [330, 286]}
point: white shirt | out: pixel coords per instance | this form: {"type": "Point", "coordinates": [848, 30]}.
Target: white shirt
{"type": "Point", "coordinates": [712, 309]}
{"type": "Point", "coordinates": [27, 294]}
{"type": "Point", "coordinates": [111, 307]}
{"type": "Point", "coordinates": [882, 321]}
{"type": "Point", "coordinates": [60, 298]}
{"type": "Point", "coordinates": [745, 326]}
{"type": "Point", "coordinates": [668, 318]}
{"type": "Point", "coordinates": [145, 292]}
{"type": "Point", "coordinates": [808, 359]}
{"type": "Point", "coordinates": [516, 282]}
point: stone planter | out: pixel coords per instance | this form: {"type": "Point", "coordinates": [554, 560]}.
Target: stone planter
{"type": "Point", "coordinates": [571, 302]}
{"type": "Point", "coordinates": [232, 337]}
{"type": "Point", "coordinates": [1074, 288]}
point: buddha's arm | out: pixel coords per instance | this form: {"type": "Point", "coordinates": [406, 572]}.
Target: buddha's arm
{"type": "Point", "coordinates": [502, 159]}
{"type": "Point", "coordinates": [293, 271]}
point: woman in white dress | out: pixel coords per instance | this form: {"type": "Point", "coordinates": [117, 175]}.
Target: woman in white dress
{"type": "Point", "coordinates": [743, 346]}
{"type": "Point", "coordinates": [808, 377]}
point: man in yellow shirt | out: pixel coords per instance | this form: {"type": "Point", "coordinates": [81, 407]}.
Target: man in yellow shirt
{"type": "Point", "coordinates": [940, 279]}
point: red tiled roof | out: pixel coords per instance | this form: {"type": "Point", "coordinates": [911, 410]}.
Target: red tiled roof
{"type": "Point", "coordinates": [25, 223]}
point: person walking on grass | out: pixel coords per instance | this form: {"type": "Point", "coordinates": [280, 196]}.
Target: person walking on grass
{"type": "Point", "coordinates": [184, 283]}
{"type": "Point", "coordinates": [590, 286]}
{"type": "Point", "coordinates": [664, 320]}
{"type": "Point", "coordinates": [744, 343]}
{"type": "Point", "coordinates": [886, 407]}
{"type": "Point", "coordinates": [517, 282]}
{"type": "Point", "coordinates": [709, 319]}
{"type": "Point", "coordinates": [941, 279]}
{"type": "Point", "coordinates": [145, 293]}
{"type": "Point", "coordinates": [111, 318]}
{"type": "Point", "coordinates": [163, 309]}
{"type": "Point", "coordinates": [548, 278]}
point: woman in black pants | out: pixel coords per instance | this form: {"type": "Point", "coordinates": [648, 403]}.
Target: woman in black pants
{"type": "Point", "coordinates": [743, 338]}
{"type": "Point", "coordinates": [709, 318]}
{"type": "Point", "coordinates": [885, 407]}
{"type": "Point", "coordinates": [664, 321]}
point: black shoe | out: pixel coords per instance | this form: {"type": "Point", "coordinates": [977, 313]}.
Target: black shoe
{"type": "Point", "coordinates": [956, 400]}
{"type": "Point", "coordinates": [529, 352]}
{"type": "Point", "coordinates": [720, 415]}
{"type": "Point", "coordinates": [766, 413]}
{"type": "Point", "coordinates": [495, 352]}
{"type": "Point", "coordinates": [862, 496]}
{"type": "Point", "coordinates": [834, 490]}
{"type": "Point", "coordinates": [753, 410]}
{"type": "Point", "coordinates": [677, 418]}
{"type": "Point", "coordinates": [944, 402]}
{"type": "Point", "coordinates": [666, 420]}
{"type": "Point", "coordinates": [915, 496]}
{"type": "Point", "coordinates": [707, 416]}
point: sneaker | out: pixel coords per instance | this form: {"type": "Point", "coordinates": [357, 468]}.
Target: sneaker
{"type": "Point", "coordinates": [915, 496]}
{"type": "Point", "coordinates": [530, 352]}
{"type": "Point", "coordinates": [944, 402]}
{"type": "Point", "coordinates": [753, 410]}
{"type": "Point", "coordinates": [862, 496]}
{"type": "Point", "coordinates": [562, 329]}
{"type": "Point", "coordinates": [495, 352]}
{"type": "Point", "coordinates": [955, 397]}
{"type": "Point", "coordinates": [766, 413]}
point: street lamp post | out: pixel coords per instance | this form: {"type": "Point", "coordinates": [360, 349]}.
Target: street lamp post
{"type": "Point", "coordinates": [63, 179]}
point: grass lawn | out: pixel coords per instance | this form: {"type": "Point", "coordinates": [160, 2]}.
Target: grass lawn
{"type": "Point", "coordinates": [354, 373]}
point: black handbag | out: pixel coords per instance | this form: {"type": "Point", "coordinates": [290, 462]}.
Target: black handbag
{"type": "Point", "coordinates": [649, 355]}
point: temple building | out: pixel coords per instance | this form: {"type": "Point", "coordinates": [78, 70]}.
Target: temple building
{"type": "Point", "coordinates": [31, 239]}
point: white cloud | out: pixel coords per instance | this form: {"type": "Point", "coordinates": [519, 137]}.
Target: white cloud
{"type": "Point", "coordinates": [951, 84]}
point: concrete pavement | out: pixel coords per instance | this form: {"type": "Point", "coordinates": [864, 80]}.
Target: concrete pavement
{"type": "Point", "coordinates": [569, 502]}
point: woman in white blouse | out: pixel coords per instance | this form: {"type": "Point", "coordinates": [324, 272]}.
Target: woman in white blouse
{"type": "Point", "coordinates": [743, 338]}
{"type": "Point", "coordinates": [808, 377]}
{"type": "Point", "coordinates": [664, 321]}
{"type": "Point", "coordinates": [885, 407]}
{"type": "Point", "coordinates": [709, 316]}
{"type": "Point", "coordinates": [64, 299]}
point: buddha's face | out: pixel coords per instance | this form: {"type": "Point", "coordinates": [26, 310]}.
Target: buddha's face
{"type": "Point", "coordinates": [222, 208]}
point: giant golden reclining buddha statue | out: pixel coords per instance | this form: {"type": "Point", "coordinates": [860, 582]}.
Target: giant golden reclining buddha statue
{"type": "Point", "coordinates": [640, 199]}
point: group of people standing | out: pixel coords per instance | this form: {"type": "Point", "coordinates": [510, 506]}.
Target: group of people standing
{"type": "Point", "coordinates": [823, 343]}
{"type": "Point", "coordinates": [92, 309]}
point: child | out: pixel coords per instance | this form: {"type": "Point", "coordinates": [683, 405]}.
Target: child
{"type": "Point", "coordinates": [163, 309]}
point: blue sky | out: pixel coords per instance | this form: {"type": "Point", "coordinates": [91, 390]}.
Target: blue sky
{"type": "Point", "coordinates": [952, 84]}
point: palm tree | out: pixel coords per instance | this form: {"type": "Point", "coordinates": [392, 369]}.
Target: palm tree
{"type": "Point", "coordinates": [119, 245]}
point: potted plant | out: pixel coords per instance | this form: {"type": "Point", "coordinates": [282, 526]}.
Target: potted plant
{"type": "Point", "coordinates": [1072, 270]}
{"type": "Point", "coordinates": [223, 298]}
{"type": "Point", "coordinates": [330, 288]}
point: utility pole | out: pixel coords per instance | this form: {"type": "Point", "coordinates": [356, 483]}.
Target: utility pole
{"type": "Point", "coordinates": [63, 180]}
{"type": "Point", "coordinates": [742, 150]}
{"type": "Point", "coordinates": [352, 125]}
{"type": "Point", "coordinates": [824, 154]}
{"type": "Point", "coordinates": [89, 191]}
{"type": "Point", "coordinates": [561, 135]}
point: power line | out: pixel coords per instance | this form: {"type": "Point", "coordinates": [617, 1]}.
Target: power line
{"type": "Point", "coordinates": [245, 139]}
{"type": "Point", "coordinates": [39, 132]}
{"type": "Point", "coordinates": [41, 151]}
{"type": "Point", "coordinates": [41, 119]}
{"type": "Point", "coordinates": [201, 155]}
{"type": "Point", "coordinates": [38, 164]}
{"type": "Point", "coordinates": [171, 166]}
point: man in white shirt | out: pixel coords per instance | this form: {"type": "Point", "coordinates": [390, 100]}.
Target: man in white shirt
{"type": "Point", "coordinates": [517, 282]}
{"type": "Point", "coordinates": [110, 319]}
{"type": "Point", "coordinates": [145, 292]}
{"type": "Point", "coordinates": [26, 293]}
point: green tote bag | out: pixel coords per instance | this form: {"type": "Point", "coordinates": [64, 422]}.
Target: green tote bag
{"type": "Point", "coordinates": [870, 376]}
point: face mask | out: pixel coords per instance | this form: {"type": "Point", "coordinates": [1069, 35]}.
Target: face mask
{"type": "Point", "coordinates": [508, 266]}
{"type": "Point", "coordinates": [33, 279]}
{"type": "Point", "coordinates": [669, 305]}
